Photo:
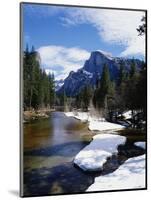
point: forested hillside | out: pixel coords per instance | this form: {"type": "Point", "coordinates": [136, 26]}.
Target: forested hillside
{"type": "Point", "coordinates": [39, 88]}
{"type": "Point", "coordinates": [126, 92]}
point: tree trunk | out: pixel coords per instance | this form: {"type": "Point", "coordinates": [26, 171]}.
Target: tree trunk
{"type": "Point", "coordinates": [31, 93]}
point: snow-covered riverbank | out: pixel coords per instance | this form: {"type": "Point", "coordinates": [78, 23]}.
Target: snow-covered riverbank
{"type": "Point", "coordinates": [94, 123]}
{"type": "Point", "coordinates": [130, 175]}
{"type": "Point", "coordinates": [94, 155]}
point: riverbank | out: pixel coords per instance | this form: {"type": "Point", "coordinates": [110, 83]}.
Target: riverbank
{"type": "Point", "coordinates": [32, 115]}
{"type": "Point", "coordinates": [95, 123]}
{"type": "Point", "coordinates": [129, 175]}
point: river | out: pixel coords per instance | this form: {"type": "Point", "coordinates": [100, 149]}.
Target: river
{"type": "Point", "coordinates": [50, 146]}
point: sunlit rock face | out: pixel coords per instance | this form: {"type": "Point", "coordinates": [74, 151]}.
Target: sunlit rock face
{"type": "Point", "coordinates": [91, 72]}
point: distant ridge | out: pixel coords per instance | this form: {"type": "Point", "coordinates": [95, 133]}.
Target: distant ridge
{"type": "Point", "coordinates": [92, 71]}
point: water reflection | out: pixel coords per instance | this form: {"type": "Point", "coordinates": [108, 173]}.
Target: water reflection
{"type": "Point", "coordinates": [55, 138]}
{"type": "Point", "coordinates": [49, 148]}
{"type": "Point", "coordinates": [58, 129]}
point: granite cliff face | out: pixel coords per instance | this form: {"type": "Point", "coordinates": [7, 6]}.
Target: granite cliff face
{"type": "Point", "coordinates": [92, 71]}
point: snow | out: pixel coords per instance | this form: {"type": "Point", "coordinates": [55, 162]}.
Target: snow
{"type": "Point", "coordinates": [130, 175]}
{"type": "Point", "coordinates": [83, 116]}
{"type": "Point", "coordinates": [88, 73]}
{"type": "Point", "coordinates": [94, 155]}
{"type": "Point", "coordinates": [141, 144]}
{"type": "Point", "coordinates": [128, 114]}
{"type": "Point", "coordinates": [59, 84]}
{"type": "Point", "coordinates": [95, 124]}
{"type": "Point", "coordinates": [107, 54]}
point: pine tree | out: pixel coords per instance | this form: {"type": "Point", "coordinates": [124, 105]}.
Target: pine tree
{"type": "Point", "coordinates": [122, 74]}
{"type": "Point", "coordinates": [132, 72]}
{"type": "Point", "coordinates": [39, 90]}
{"type": "Point", "coordinates": [51, 90]}
{"type": "Point", "coordinates": [78, 101]}
{"type": "Point", "coordinates": [101, 93]}
{"type": "Point", "coordinates": [32, 49]}
{"type": "Point", "coordinates": [142, 28]}
{"type": "Point", "coordinates": [105, 81]}
{"type": "Point", "coordinates": [83, 98]}
{"type": "Point", "coordinates": [26, 78]}
{"type": "Point", "coordinates": [87, 92]}
{"type": "Point", "coordinates": [27, 49]}
{"type": "Point", "coordinates": [65, 101]}
{"type": "Point", "coordinates": [142, 89]}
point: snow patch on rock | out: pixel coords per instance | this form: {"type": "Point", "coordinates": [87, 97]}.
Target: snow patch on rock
{"type": "Point", "coordinates": [128, 114]}
{"type": "Point", "coordinates": [107, 54]}
{"type": "Point", "coordinates": [93, 156]}
{"type": "Point", "coordinates": [141, 144]}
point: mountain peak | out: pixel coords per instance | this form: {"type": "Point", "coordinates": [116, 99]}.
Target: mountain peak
{"type": "Point", "coordinates": [104, 53]}
{"type": "Point", "coordinates": [97, 59]}
{"type": "Point", "coordinates": [92, 71]}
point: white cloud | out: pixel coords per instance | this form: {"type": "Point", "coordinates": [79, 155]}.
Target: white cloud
{"type": "Point", "coordinates": [62, 60]}
{"type": "Point", "coordinates": [50, 71]}
{"type": "Point", "coordinates": [113, 26]}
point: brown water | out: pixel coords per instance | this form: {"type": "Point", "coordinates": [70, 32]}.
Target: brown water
{"type": "Point", "coordinates": [50, 145]}
{"type": "Point", "coordinates": [49, 148]}
{"type": "Point", "coordinates": [49, 142]}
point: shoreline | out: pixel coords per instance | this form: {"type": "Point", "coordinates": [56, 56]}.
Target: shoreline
{"type": "Point", "coordinates": [94, 123]}
{"type": "Point", "coordinates": [87, 159]}
{"type": "Point", "coordinates": [32, 115]}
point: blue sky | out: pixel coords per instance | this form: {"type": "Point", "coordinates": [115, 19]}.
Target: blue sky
{"type": "Point", "coordinates": [65, 36]}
